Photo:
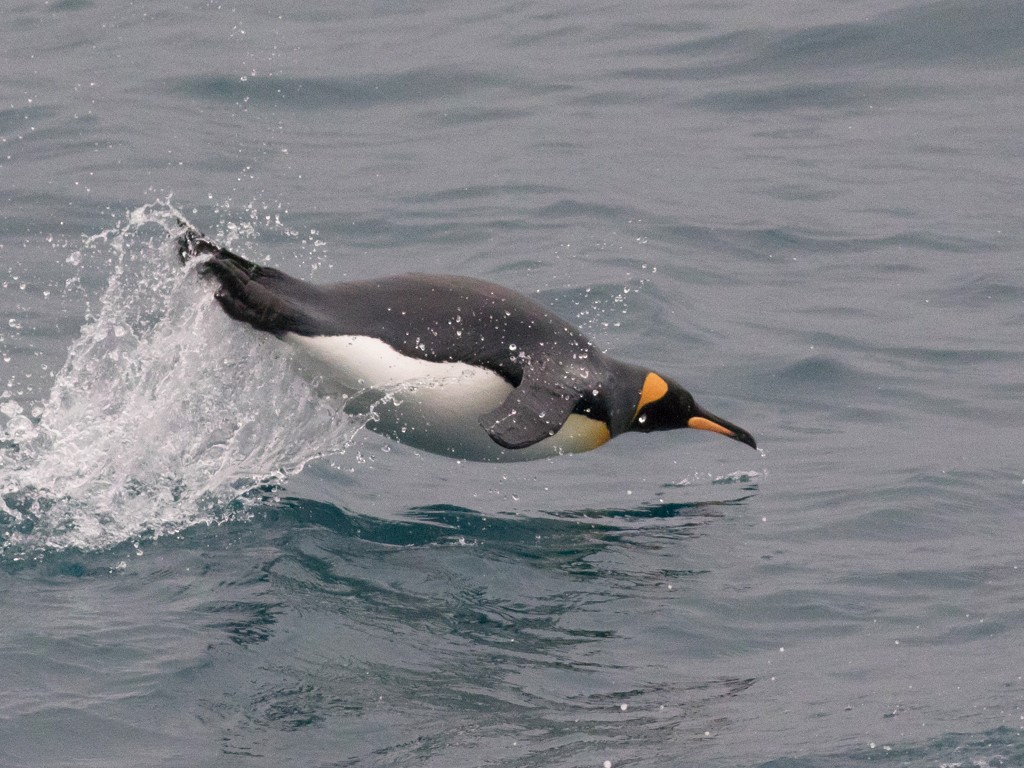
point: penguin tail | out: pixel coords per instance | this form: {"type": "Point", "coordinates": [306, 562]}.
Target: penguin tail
{"type": "Point", "coordinates": [263, 297]}
{"type": "Point", "coordinates": [193, 244]}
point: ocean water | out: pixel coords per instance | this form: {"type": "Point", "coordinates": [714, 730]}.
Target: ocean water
{"type": "Point", "coordinates": [808, 213]}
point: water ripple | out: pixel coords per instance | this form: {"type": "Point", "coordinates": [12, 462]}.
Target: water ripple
{"type": "Point", "coordinates": [333, 92]}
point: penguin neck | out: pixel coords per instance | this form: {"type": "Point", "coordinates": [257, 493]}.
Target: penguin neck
{"type": "Point", "coordinates": [621, 393]}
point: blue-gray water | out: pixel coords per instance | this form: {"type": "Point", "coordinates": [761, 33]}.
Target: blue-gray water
{"type": "Point", "coordinates": [809, 213]}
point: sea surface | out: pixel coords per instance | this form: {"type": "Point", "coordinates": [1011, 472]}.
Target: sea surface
{"type": "Point", "coordinates": [808, 213]}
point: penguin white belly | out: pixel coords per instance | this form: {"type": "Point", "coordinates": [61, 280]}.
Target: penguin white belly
{"type": "Point", "coordinates": [432, 406]}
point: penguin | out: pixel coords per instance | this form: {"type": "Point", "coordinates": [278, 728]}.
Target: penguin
{"type": "Point", "coordinates": [452, 365]}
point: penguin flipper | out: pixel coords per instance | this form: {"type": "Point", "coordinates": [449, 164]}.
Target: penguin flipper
{"type": "Point", "coordinates": [533, 411]}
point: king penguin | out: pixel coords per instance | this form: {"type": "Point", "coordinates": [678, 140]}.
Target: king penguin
{"type": "Point", "coordinates": [452, 365]}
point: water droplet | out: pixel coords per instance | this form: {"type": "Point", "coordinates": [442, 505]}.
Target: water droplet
{"type": "Point", "coordinates": [19, 428]}
{"type": "Point", "coordinates": [642, 419]}
{"type": "Point", "coordinates": [11, 408]}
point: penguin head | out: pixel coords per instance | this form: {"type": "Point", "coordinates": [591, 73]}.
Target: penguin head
{"type": "Point", "coordinates": [664, 404]}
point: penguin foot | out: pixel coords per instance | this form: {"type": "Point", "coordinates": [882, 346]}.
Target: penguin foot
{"type": "Point", "coordinates": [248, 292]}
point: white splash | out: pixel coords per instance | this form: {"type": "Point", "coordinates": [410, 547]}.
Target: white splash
{"type": "Point", "coordinates": [166, 414]}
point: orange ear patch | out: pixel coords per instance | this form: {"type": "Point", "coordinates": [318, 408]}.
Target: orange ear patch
{"type": "Point", "coordinates": [654, 389]}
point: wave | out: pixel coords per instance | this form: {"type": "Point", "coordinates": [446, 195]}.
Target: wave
{"type": "Point", "coordinates": [165, 414]}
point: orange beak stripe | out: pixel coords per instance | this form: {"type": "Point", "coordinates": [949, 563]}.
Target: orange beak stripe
{"type": "Point", "coordinates": [654, 389]}
{"type": "Point", "coordinates": [699, 422]}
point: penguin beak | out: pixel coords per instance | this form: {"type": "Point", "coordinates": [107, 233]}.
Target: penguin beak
{"type": "Point", "coordinates": [701, 419]}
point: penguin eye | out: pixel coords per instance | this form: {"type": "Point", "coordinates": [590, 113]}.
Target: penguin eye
{"type": "Point", "coordinates": [644, 421]}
